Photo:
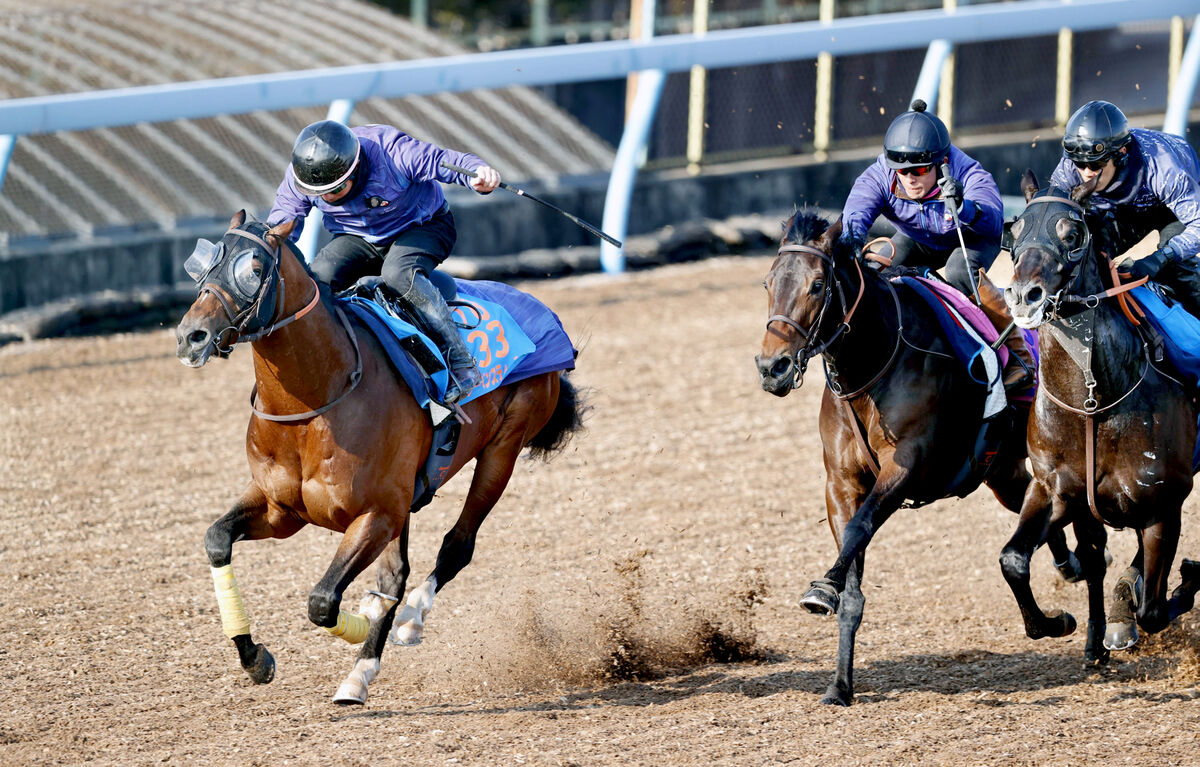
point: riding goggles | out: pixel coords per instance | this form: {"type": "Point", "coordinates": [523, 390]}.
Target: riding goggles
{"type": "Point", "coordinates": [243, 274]}
{"type": "Point", "coordinates": [1092, 165]}
{"type": "Point", "coordinates": [1088, 149]}
{"type": "Point", "coordinates": [915, 170]}
{"type": "Point", "coordinates": [908, 159]}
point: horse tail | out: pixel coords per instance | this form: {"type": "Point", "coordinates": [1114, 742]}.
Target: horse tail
{"type": "Point", "coordinates": [566, 419]}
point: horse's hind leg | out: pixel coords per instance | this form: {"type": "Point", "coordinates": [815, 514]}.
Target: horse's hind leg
{"type": "Point", "coordinates": [379, 608]}
{"type": "Point", "coordinates": [493, 468]}
{"type": "Point", "coordinates": [249, 519]}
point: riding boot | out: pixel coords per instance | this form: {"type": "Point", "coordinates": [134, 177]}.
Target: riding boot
{"type": "Point", "coordinates": [431, 311]}
{"type": "Point", "coordinates": [1183, 278]}
{"type": "Point", "coordinates": [1021, 370]}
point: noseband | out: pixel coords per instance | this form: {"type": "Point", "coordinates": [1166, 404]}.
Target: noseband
{"type": "Point", "coordinates": [240, 321]}
{"type": "Point", "coordinates": [811, 348]}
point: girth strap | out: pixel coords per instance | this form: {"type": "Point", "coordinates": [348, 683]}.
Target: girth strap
{"type": "Point", "coordinates": [860, 438]}
{"type": "Point", "coordinates": [1090, 442]}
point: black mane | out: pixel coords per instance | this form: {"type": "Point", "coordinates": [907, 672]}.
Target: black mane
{"type": "Point", "coordinates": [807, 225]}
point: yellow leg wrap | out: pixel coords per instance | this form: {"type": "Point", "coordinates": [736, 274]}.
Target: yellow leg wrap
{"type": "Point", "coordinates": [229, 599]}
{"type": "Point", "coordinates": [351, 627]}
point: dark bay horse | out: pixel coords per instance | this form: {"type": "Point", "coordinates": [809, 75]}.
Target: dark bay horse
{"type": "Point", "coordinates": [336, 440]}
{"type": "Point", "coordinates": [899, 414]}
{"type": "Point", "coordinates": [1110, 434]}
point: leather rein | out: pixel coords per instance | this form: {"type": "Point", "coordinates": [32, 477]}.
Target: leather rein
{"type": "Point", "coordinates": [240, 320]}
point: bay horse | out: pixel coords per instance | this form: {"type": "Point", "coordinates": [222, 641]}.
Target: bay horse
{"type": "Point", "coordinates": [347, 456]}
{"type": "Point", "coordinates": [899, 413]}
{"type": "Point", "coordinates": [1110, 435]}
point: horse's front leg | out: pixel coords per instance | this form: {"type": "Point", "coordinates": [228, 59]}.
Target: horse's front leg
{"type": "Point", "coordinates": [251, 518]}
{"type": "Point", "coordinates": [379, 609]}
{"type": "Point", "coordinates": [1092, 537]}
{"type": "Point", "coordinates": [881, 502]}
{"type": "Point", "coordinates": [1038, 514]}
{"type": "Point", "coordinates": [1121, 632]}
{"type": "Point", "coordinates": [841, 690]}
{"type": "Point", "coordinates": [364, 540]}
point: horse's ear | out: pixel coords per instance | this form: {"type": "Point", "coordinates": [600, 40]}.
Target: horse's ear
{"type": "Point", "coordinates": [1029, 185]}
{"type": "Point", "coordinates": [1082, 191]}
{"type": "Point", "coordinates": [238, 219]}
{"type": "Point", "coordinates": [831, 235]}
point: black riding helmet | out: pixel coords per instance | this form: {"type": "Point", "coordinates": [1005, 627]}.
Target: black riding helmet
{"type": "Point", "coordinates": [915, 138]}
{"type": "Point", "coordinates": [325, 154]}
{"type": "Point", "coordinates": [1095, 132]}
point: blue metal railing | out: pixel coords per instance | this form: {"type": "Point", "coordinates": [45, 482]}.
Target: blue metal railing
{"type": "Point", "coordinates": [592, 61]}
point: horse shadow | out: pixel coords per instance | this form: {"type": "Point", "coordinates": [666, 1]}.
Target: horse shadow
{"type": "Point", "coordinates": [957, 673]}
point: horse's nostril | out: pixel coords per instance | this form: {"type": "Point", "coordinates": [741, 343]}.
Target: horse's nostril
{"type": "Point", "coordinates": [197, 338]}
{"type": "Point", "coordinates": [1034, 296]}
{"type": "Point", "coordinates": [781, 366]}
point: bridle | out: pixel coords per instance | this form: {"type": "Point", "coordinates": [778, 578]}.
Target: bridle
{"type": "Point", "coordinates": [256, 320]}
{"type": "Point", "coordinates": [1039, 232]}
{"type": "Point", "coordinates": [811, 346]}
{"type": "Point", "coordinates": [267, 301]}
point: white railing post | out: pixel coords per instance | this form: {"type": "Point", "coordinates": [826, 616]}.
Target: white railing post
{"type": "Point", "coordinates": [1179, 100]}
{"type": "Point", "coordinates": [929, 81]}
{"type": "Point", "coordinates": [340, 111]}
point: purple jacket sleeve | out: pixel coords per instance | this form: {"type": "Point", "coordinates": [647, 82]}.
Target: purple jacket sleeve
{"type": "Point", "coordinates": [422, 161]}
{"type": "Point", "coordinates": [863, 204]}
{"type": "Point", "coordinates": [289, 205]}
{"type": "Point", "coordinates": [980, 188]}
{"type": "Point", "coordinates": [1065, 176]}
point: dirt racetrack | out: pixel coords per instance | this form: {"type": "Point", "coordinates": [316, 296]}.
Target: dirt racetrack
{"type": "Point", "coordinates": [633, 602]}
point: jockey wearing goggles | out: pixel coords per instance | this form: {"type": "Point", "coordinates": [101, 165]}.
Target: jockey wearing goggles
{"type": "Point", "coordinates": [906, 186]}
{"type": "Point", "coordinates": [379, 191]}
{"type": "Point", "coordinates": [1149, 181]}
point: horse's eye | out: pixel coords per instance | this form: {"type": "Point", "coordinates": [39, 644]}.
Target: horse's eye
{"type": "Point", "coordinates": [765, 285]}
{"type": "Point", "coordinates": [817, 287]}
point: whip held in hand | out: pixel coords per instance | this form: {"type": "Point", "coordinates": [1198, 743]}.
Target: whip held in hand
{"type": "Point", "coordinates": [952, 209]}
{"type": "Point", "coordinates": [580, 222]}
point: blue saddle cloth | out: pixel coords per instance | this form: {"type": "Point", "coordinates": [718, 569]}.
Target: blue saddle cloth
{"type": "Point", "coordinates": [515, 336]}
{"type": "Point", "coordinates": [1181, 338]}
{"type": "Point", "coordinates": [512, 335]}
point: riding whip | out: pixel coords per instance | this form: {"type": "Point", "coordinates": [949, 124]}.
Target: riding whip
{"type": "Point", "coordinates": [952, 207]}
{"type": "Point", "coordinates": [522, 193]}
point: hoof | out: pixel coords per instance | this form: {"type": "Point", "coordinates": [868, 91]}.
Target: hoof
{"type": "Point", "coordinates": [1056, 624]}
{"type": "Point", "coordinates": [821, 599]}
{"type": "Point", "coordinates": [835, 696]}
{"type": "Point", "coordinates": [1120, 636]}
{"type": "Point", "coordinates": [351, 693]}
{"type": "Point", "coordinates": [1189, 572]}
{"type": "Point", "coordinates": [262, 670]}
{"type": "Point", "coordinates": [1071, 570]}
{"type": "Point", "coordinates": [408, 634]}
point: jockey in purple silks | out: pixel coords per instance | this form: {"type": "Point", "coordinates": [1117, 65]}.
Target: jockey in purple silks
{"type": "Point", "coordinates": [913, 184]}
{"type": "Point", "coordinates": [379, 191]}
{"type": "Point", "coordinates": [907, 186]}
{"type": "Point", "coordinates": [1149, 181]}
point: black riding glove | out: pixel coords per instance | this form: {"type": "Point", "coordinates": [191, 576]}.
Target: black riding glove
{"type": "Point", "coordinates": [951, 190]}
{"type": "Point", "coordinates": [1150, 265]}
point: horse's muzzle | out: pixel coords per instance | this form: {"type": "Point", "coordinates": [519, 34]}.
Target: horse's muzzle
{"type": "Point", "coordinates": [194, 346]}
{"type": "Point", "coordinates": [777, 374]}
{"type": "Point", "coordinates": [1027, 302]}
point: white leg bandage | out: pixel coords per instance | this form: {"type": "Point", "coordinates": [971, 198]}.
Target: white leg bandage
{"type": "Point", "coordinates": [229, 599]}
{"type": "Point", "coordinates": [375, 605]}
{"type": "Point", "coordinates": [351, 627]}
{"type": "Point", "coordinates": [410, 623]}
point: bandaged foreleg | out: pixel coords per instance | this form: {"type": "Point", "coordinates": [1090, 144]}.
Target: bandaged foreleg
{"type": "Point", "coordinates": [351, 627]}
{"type": "Point", "coordinates": [233, 612]}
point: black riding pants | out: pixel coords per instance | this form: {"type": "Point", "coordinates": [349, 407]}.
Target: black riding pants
{"type": "Point", "coordinates": [909, 252]}
{"type": "Point", "coordinates": [348, 257]}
